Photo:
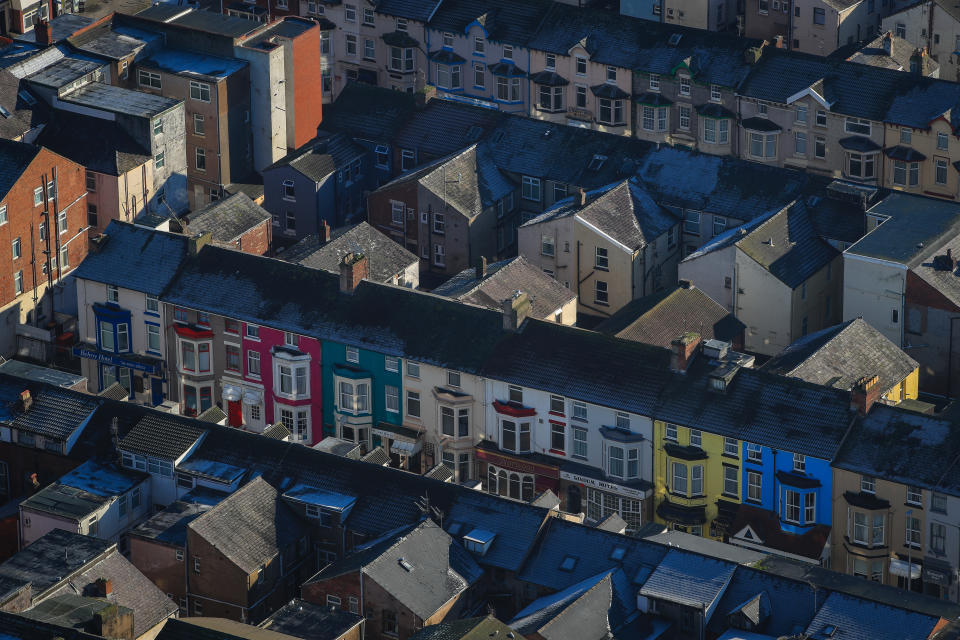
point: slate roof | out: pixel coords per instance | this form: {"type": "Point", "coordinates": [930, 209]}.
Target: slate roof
{"type": "Point", "coordinates": [321, 157]}
{"type": "Point", "coordinates": [17, 627]}
{"type": "Point", "coordinates": [203, 628]}
{"type": "Point", "coordinates": [644, 45]}
{"type": "Point", "coordinates": [228, 219]}
{"type": "Point", "coordinates": [385, 257]}
{"type": "Point", "coordinates": [659, 318]}
{"type": "Point", "coordinates": [875, 53]}
{"type": "Point", "coordinates": [419, 10]}
{"type": "Point", "coordinates": [24, 114]}
{"type": "Point", "coordinates": [382, 317]}
{"type": "Point", "coordinates": [501, 280]}
{"type": "Point", "coordinates": [915, 223]}
{"type": "Point", "coordinates": [56, 554]}
{"type": "Point", "coordinates": [96, 144]}
{"type": "Point", "coordinates": [905, 447]}
{"type": "Point", "coordinates": [444, 127]}
{"type": "Point", "coordinates": [466, 629]}
{"type": "Point", "coordinates": [369, 113]}
{"type": "Point", "coordinates": [56, 413]}
{"type": "Point", "coordinates": [839, 356]}
{"type": "Point", "coordinates": [785, 243]}
{"type": "Point", "coordinates": [857, 619]}
{"type": "Point", "coordinates": [467, 181]}
{"type": "Point", "coordinates": [205, 21]}
{"type": "Point", "coordinates": [15, 157]}
{"type": "Point", "coordinates": [436, 575]}
{"type": "Point", "coordinates": [515, 524]}
{"type": "Point", "coordinates": [594, 609]}
{"type": "Point", "coordinates": [134, 258]}
{"type": "Point", "coordinates": [689, 580]}
{"type": "Point", "coordinates": [504, 21]}
{"type": "Point", "coordinates": [164, 436]}
{"type": "Point", "coordinates": [945, 281]}
{"type": "Point", "coordinates": [170, 525]}
{"type": "Point", "coordinates": [251, 526]}
{"type": "Point", "coordinates": [308, 621]}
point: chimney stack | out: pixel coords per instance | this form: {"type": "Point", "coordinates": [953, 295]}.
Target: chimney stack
{"type": "Point", "coordinates": [864, 393]}
{"type": "Point", "coordinates": [581, 197]}
{"type": "Point", "coordinates": [104, 587]}
{"type": "Point", "coordinates": [324, 232]}
{"type": "Point", "coordinates": [515, 310]}
{"type": "Point", "coordinates": [683, 350]}
{"type": "Point", "coordinates": [198, 241]}
{"type": "Point", "coordinates": [353, 268]}
{"type": "Point", "coordinates": [42, 33]}
{"type": "Point", "coordinates": [888, 43]}
{"type": "Point", "coordinates": [482, 268]}
{"type": "Point", "coordinates": [26, 400]}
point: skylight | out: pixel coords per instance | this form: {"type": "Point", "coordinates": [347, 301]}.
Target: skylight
{"type": "Point", "coordinates": [675, 39]}
{"type": "Point", "coordinates": [597, 162]}
{"type": "Point", "coordinates": [568, 564]}
{"type": "Point", "coordinates": [618, 553]}
{"type": "Point", "coordinates": [27, 97]}
{"type": "Point", "coordinates": [406, 565]}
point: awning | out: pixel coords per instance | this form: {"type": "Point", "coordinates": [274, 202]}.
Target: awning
{"type": "Point", "coordinates": [901, 568]}
{"type": "Point", "coordinates": [798, 481]}
{"type": "Point", "coordinates": [859, 143]}
{"type": "Point", "coordinates": [404, 448]}
{"type": "Point", "coordinates": [865, 500]}
{"type": "Point", "coordinates": [607, 90]}
{"type": "Point", "coordinates": [549, 79]}
{"type": "Point", "coordinates": [620, 435]}
{"type": "Point", "coordinates": [446, 56]}
{"type": "Point", "coordinates": [937, 571]}
{"type": "Point", "coordinates": [760, 124]}
{"type": "Point", "coordinates": [652, 99]}
{"type": "Point", "coordinates": [714, 110]}
{"type": "Point", "coordinates": [508, 69]}
{"type": "Point", "coordinates": [905, 154]}
{"type": "Point", "coordinates": [400, 39]}
{"type": "Point", "coordinates": [251, 397]}
{"type": "Point", "coordinates": [684, 453]}
{"type": "Point", "coordinates": [231, 392]}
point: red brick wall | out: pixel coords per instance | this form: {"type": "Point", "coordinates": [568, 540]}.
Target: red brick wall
{"type": "Point", "coordinates": [22, 215]}
{"type": "Point", "coordinates": [343, 587]}
{"type": "Point", "coordinates": [308, 108]}
{"type": "Point", "coordinates": [258, 240]}
{"type": "Point", "coordinates": [921, 294]}
{"type": "Point", "coordinates": [218, 579]}
{"type": "Point", "coordinates": [380, 213]}
{"type": "Point", "coordinates": [159, 563]}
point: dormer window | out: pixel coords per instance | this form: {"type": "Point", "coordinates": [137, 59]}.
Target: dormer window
{"type": "Point", "coordinates": [684, 86]}
{"type": "Point", "coordinates": [447, 39]}
{"type": "Point", "coordinates": [581, 66]}
{"type": "Point", "coordinates": [478, 45]}
{"type": "Point", "coordinates": [551, 62]}
{"type": "Point", "coordinates": [507, 52]}
{"type": "Point", "coordinates": [479, 541]}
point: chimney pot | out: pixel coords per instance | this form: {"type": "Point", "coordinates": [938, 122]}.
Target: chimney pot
{"type": "Point", "coordinates": [353, 269]}
{"type": "Point", "coordinates": [482, 268]}
{"type": "Point", "coordinates": [25, 399]}
{"type": "Point", "coordinates": [515, 310]}
{"type": "Point", "coordinates": [864, 394]}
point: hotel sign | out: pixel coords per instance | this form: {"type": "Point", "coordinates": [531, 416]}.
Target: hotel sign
{"type": "Point", "coordinates": [602, 485]}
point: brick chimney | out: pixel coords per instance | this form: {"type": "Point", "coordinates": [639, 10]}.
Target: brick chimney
{"type": "Point", "coordinates": [26, 400]}
{"type": "Point", "coordinates": [353, 268]}
{"type": "Point", "coordinates": [581, 196]}
{"type": "Point", "coordinates": [324, 232]}
{"type": "Point", "coordinates": [864, 393]}
{"type": "Point", "coordinates": [481, 269]}
{"type": "Point", "coordinates": [515, 310]}
{"type": "Point", "coordinates": [197, 242]}
{"type": "Point", "coordinates": [104, 587]}
{"type": "Point", "coordinates": [42, 33]}
{"type": "Point", "coordinates": [114, 622]}
{"type": "Point", "coordinates": [683, 351]}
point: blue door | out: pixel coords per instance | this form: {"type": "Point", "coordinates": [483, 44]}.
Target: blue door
{"type": "Point", "coordinates": [156, 391]}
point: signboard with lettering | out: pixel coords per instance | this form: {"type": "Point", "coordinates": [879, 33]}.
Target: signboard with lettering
{"type": "Point", "coordinates": [602, 485]}
{"type": "Point", "coordinates": [114, 360]}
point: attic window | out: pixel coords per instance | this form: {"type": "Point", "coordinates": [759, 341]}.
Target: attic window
{"type": "Point", "coordinates": [829, 631]}
{"type": "Point", "coordinates": [618, 553]}
{"type": "Point", "coordinates": [4, 112]}
{"type": "Point", "coordinates": [406, 565]}
{"type": "Point", "coordinates": [27, 97]}
{"type": "Point", "coordinates": [568, 564]}
{"type": "Point", "coordinates": [675, 39]}
{"type": "Point", "coordinates": [478, 541]}
{"type": "Point", "coordinates": [597, 162]}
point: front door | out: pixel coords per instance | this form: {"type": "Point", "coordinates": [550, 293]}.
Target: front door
{"type": "Point", "coordinates": [234, 413]}
{"type": "Point", "coordinates": [156, 391]}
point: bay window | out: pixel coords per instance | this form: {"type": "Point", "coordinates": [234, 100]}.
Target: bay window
{"type": "Point", "coordinates": [763, 145]}
{"type": "Point", "coordinates": [508, 89]}
{"type": "Point", "coordinates": [515, 436]}
{"type": "Point", "coordinates": [654, 118]}
{"type": "Point", "coordinates": [792, 507]}
{"type": "Point", "coordinates": [696, 480]}
{"type": "Point", "coordinates": [401, 59]}
{"type": "Point", "coordinates": [551, 98]}
{"type": "Point", "coordinates": [292, 377]}
{"type": "Point", "coordinates": [906, 173]}
{"type": "Point", "coordinates": [615, 461]}
{"type": "Point", "coordinates": [680, 478]}
{"type": "Point", "coordinates": [194, 357]}
{"type": "Point", "coordinates": [862, 165]}
{"type": "Point", "coordinates": [196, 399]}
{"type": "Point", "coordinates": [354, 396]}
{"type": "Point", "coordinates": [449, 76]}
{"type": "Point", "coordinates": [611, 111]}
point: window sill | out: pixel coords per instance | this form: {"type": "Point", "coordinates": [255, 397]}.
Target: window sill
{"type": "Point", "coordinates": [730, 456]}
{"type": "Point", "coordinates": [602, 304]}
{"type": "Point", "coordinates": [605, 269]}
{"type": "Point", "coordinates": [732, 496]}
{"type": "Point", "coordinates": [752, 501]}
{"type": "Point", "coordinates": [557, 452]}
{"type": "Point", "coordinates": [911, 505]}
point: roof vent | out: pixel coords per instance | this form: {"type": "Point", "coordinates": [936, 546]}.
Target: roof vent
{"type": "Point", "coordinates": [569, 563]}
{"type": "Point", "coordinates": [406, 565]}
{"type": "Point", "coordinates": [674, 39]}
{"type": "Point", "coordinates": [596, 162]}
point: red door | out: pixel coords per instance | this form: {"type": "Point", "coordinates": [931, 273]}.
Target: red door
{"type": "Point", "coordinates": [234, 413]}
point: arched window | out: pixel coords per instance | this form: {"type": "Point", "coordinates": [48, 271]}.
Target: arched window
{"type": "Point", "coordinates": [492, 480]}
{"type": "Point", "coordinates": [515, 486]}
{"type": "Point", "coordinates": [528, 488]}
{"type": "Point", "coordinates": [502, 485]}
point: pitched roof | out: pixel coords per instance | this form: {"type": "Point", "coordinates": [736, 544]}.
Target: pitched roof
{"type": "Point", "coordinates": [249, 527]}
{"type": "Point", "coordinates": [202, 628]}
{"type": "Point", "coordinates": [98, 145]}
{"type": "Point", "coordinates": [444, 127]}
{"type": "Point", "coordinates": [20, 111]}
{"type": "Point", "coordinates": [504, 21]}
{"type": "Point", "coordinates": [895, 55]}
{"type": "Point", "coordinates": [846, 618]}
{"type": "Point", "coordinates": [310, 621]}
{"type": "Point", "coordinates": [936, 272]}
{"type": "Point", "coordinates": [15, 157]}
{"type": "Point", "coordinates": [369, 113]}
{"type": "Point", "coordinates": [56, 413]}
{"type": "Point", "coordinates": [134, 257]}
{"type": "Point", "coordinates": [502, 279]}
{"type": "Point", "coordinates": [424, 569]}
{"type": "Point", "coordinates": [839, 356]}
{"type": "Point", "coordinates": [785, 243]}
{"type": "Point", "coordinates": [228, 219]}
{"type": "Point", "coordinates": [385, 257]}
{"type": "Point", "coordinates": [321, 157]}
{"type": "Point", "coordinates": [419, 10]}
{"type": "Point", "coordinates": [689, 580]}
{"type": "Point", "coordinates": [387, 318]}
{"type": "Point", "coordinates": [466, 629]}
{"type": "Point", "coordinates": [163, 436]}
{"type": "Point", "coordinates": [659, 318]}
{"type": "Point", "coordinates": [46, 561]}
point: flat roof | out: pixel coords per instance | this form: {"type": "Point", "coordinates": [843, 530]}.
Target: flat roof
{"type": "Point", "coordinates": [41, 374]}
{"type": "Point", "coordinates": [189, 63]}
{"type": "Point", "coordinates": [62, 73]}
{"type": "Point", "coordinates": [105, 97]}
{"type": "Point", "coordinates": [913, 224]}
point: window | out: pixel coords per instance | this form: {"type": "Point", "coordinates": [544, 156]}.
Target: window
{"type": "Point", "coordinates": [232, 357]}
{"type": "Point", "coordinates": [868, 484]}
{"type": "Point", "coordinates": [696, 438]}
{"type": "Point", "coordinates": [611, 113]}
{"type": "Point", "coordinates": [448, 39]}
{"type": "Point", "coordinates": [439, 252]}
{"type": "Point", "coordinates": [92, 215]}
{"type": "Point", "coordinates": [581, 66]}
{"type": "Point", "coordinates": [914, 495]}
{"type": "Point", "coordinates": [938, 503]}
{"type": "Point", "coordinates": [810, 508]}
{"type": "Point", "coordinates": [351, 44]}
{"type": "Point", "coordinates": [696, 480]}
{"type": "Point", "coordinates": [683, 111]}
{"type": "Point", "coordinates": [763, 7]}
{"type": "Point", "coordinates": [352, 354]}
{"type": "Point", "coordinates": [201, 159]}
{"type": "Point", "coordinates": [159, 161]}
{"type": "Point", "coordinates": [413, 404]}
{"type": "Point", "coordinates": [679, 478]}
{"type": "Point", "coordinates": [763, 145]}
{"type": "Point", "coordinates": [691, 222]}
{"type": "Point", "coordinates": [905, 173]}
{"type": "Point", "coordinates": [792, 507]}
{"type": "Point", "coordinates": [938, 537]}
{"type": "Point", "coordinates": [876, 536]}
{"type": "Point", "coordinates": [716, 131]}
{"type": "Point", "coordinates": [857, 125]}
{"type": "Point", "coordinates": [413, 369]}
{"type": "Point", "coordinates": [762, 107]}
{"type": "Point", "coordinates": [670, 432]}
{"type": "Point", "coordinates": [392, 397]}
{"type": "Point", "coordinates": [113, 293]}
{"type": "Point", "coordinates": [623, 420]}
{"type": "Point", "coordinates": [818, 15]}
{"type": "Point", "coordinates": [368, 18]}
{"type": "Point", "coordinates": [153, 337]}
{"type": "Point", "coordinates": [199, 91]}
{"type": "Point", "coordinates": [730, 447]}
{"type": "Point", "coordinates": [407, 160]}
{"type": "Point", "coordinates": [448, 76]}
{"type": "Point", "coordinates": [513, 440]}
{"type": "Point", "coordinates": [943, 141]}
{"type": "Point", "coordinates": [731, 482]}
{"type": "Point", "coordinates": [16, 248]}
{"type": "Point", "coordinates": [18, 282]}
{"type": "Point", "coordinates": [601, 293]}
{"type": "Point", "coordinates": [820, 147]}
{"type": "Point", "coordinates": [800, 114]}
{"type": "Point", "coordinates": [654, 119]}
{"type": "Point", "coordinates": [508, 89]}
{"type": "Point", "coordinates": [799, 462]}
{"type": "Point", "coordinates": [293, 379]}
{"type": "Point", "coordinates": [558, 437]}
{"type": "Point", "coordinates": [579, 410]}
{"type": "Point", "coordinates": [148, 79]}
{"type": "Point", "coordinates": [861, 165]}
{"type": "Point", "coordinates": [719, 225]}
{"type": "Point", "coordinates": [453, 379]}
{"type": "Point", "coordinates": [478, 45]}
{"type": "Point", "coordinates": [799, 143]}
{"type": "Point", "coordinates": [940, 176]}
{"type": "Point", "coordinates": [579, 442]}
{"type": "Point", "coordinates": [754, 453]}
{"type": "Point", "coordinates": [369, 49]}
{"type": "Point", "coordinates": [906, 135]}
{"type": "Point", "coordinates": [438, 223]}
{"type": "Point", "coordinates": [3, 214]}
{"type": "Point", "coordinates": [602, 260]}
{"type": "Point", "coordinates": [913, 537]}
{"type": "Point", "coordinates": [530, 189]}
{"type": "Point", "coordinates": [754, 480]}
{"type": "Point", "coordinates": [684, 89]}
{"type": "Point", "coordinates": [551, 98]}
{"type": "Point", "coordinates": [350, 12]}
{"type": "Point", "coordinates": [715, 95]}
{"type": "Point", "coordinates": [354, 396]}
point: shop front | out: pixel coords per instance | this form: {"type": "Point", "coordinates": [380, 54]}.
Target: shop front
{"type": "Point", "coordinates": [585, 490]}
{"type": "Point", "coordinates": [521, 477]}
